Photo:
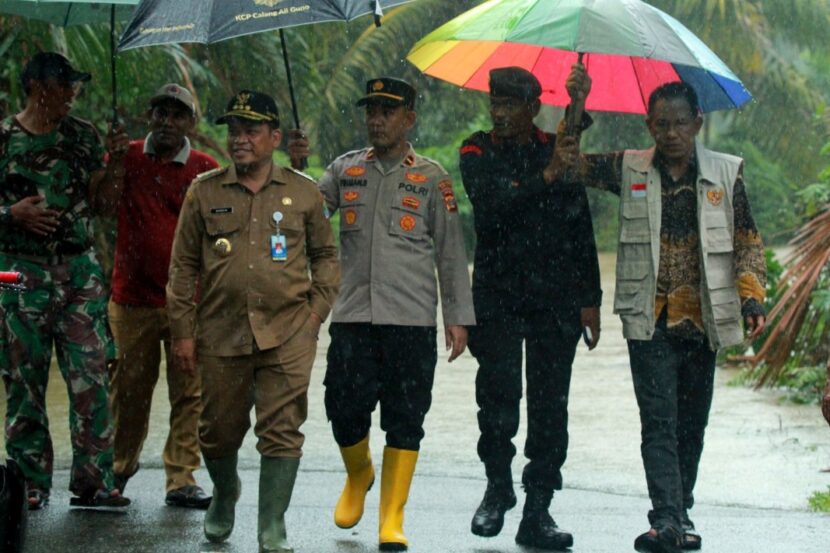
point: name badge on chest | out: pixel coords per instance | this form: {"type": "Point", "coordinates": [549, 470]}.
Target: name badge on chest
{"type": "Point", "coordinates": [279, 249]}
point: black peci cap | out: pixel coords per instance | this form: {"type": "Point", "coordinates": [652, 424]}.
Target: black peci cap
{"type": "Point", "coordinates": [389, 91]}
{"type": "Point", "coordinates": [514, 82]}
{"type": "Point", "coordinates": [46, 65]}
{"type": "Point", "coordinates": [253, 106]}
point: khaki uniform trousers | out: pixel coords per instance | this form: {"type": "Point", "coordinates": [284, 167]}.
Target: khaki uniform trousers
{"type": "Point", "coordinates": [139, 333]}
{"type": "Point", "coordinates": [274, 382]}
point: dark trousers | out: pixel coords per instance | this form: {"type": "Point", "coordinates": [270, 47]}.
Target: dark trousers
{"type": "Point", "coordinates": [673, 382]}
{"type": "Point", "coordinates": [393, 365]}
{"type": "Point", "coordinates": [550, 345]}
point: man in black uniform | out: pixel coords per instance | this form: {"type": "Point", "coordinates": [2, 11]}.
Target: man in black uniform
{"type": "Point", "coordinates": [535, 279]}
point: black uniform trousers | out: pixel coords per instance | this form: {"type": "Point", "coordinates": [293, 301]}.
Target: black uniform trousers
{"type": "Point", "coordinates": [673, 382]}
{"type": "Point", "coordinates": [393, 365]}
{"type": "Point", "coordinates": [550, 344]}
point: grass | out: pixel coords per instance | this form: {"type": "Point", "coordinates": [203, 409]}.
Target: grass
{"type": "Point", "coordinates": [820, 501]}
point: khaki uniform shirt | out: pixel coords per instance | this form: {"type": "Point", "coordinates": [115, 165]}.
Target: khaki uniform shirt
{"type": "Point", "coordinates": [396, 227]}
{"type": "Point", "coordinates": [223, 241]}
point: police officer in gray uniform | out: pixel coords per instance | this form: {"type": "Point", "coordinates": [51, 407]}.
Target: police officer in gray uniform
{"type": "Point", "coordinates": [398, 221]}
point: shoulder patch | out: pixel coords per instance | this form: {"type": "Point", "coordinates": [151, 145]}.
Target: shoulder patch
{"type": "Point", "coordinates": [471, 149]}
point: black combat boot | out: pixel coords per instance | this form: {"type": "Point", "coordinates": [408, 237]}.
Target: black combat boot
{"type": "Point", "coordinates": [489, 518]}
{"type": "Point", "coordinates": [538, 528]}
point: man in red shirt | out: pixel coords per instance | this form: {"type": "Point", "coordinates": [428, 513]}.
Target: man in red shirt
{"type": "Point", "coordinates": [152, 176]}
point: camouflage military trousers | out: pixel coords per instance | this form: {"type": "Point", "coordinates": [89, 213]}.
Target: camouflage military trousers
{"type": "Point", "coordinates": [64, 306]}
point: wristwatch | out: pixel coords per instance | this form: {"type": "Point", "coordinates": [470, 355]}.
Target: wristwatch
{"type": "Point", "coordinates": [5, 215]}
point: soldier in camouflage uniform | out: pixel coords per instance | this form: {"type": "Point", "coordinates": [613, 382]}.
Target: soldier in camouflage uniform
{"type": "Point", "coordinates": [50, 167]}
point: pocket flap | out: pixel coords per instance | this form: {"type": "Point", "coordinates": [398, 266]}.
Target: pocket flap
{"type": "Point", "coordinates": [221, 223]}
{"type": "Point", "coordinates": [715, 219]}
{"type": "Point", "coordinates": [633, 271]}
{"type": "Point", "coordinates": [718, 240]}
{"type": "Point", "coordinates": [635, 209]}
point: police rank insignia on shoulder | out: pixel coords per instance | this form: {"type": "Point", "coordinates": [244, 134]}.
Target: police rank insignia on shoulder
{"type": "Point", "coordinates": [449, 196]}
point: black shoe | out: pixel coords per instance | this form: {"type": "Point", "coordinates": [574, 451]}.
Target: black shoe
{"type": "Point", "coordinates": [658, 540]}
{"type": "Point", "coordinates": [191, 497]}
{"type": "Point", "coordinates": [540, 531]}
{"type": "Point", "coordinates": [101, 500]}
{"type": "Point", "coordinates": [489, 517]}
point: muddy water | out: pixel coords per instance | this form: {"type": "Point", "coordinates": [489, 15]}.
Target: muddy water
{"type": "Point", "coordinates": [759, 451]}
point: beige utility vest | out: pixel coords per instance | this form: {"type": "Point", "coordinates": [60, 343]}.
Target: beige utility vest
{"type": "Point", "coordinates": [638, 254]}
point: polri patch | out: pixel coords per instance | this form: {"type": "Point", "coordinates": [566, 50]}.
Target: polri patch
{"type": "Point", "coordinates": [411, 202]}
{"type": "Point", "coordinates": [407, 223]}
{"type": "Point", "coordinates": [350, 216]}
{"type": "Point", "coordinates": [416, 177]}
{"type": "Point", "coordinates": [351, 195]}
{"type": "Point", "coordinates": [355, 171]}
{"type": "Point", "coordinates": [715, 197]}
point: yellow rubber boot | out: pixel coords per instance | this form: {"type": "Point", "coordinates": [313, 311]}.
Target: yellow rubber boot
{"type": "Point", "coordinates": [360, 475]}
{"type": "Point", "coordinates": [396, 476]}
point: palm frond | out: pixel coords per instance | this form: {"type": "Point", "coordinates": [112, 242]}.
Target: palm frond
{"type": "Point", "coordinates": [811, 252]}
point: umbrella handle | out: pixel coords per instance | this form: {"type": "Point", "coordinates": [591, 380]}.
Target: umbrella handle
{"type": "Point", "coordinates": [574, 116]}
{"type": "Point", "coordinates": [112, 66]}
{"type": "Point", "coordinates": [294, 110]}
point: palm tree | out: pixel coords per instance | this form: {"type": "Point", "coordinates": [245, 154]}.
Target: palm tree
{"type": "Point", "coordinates": [768, 44]}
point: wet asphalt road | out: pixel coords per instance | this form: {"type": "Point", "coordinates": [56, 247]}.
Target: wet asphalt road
{"type": "Point", "coordinates": [762, 460]}
{"type": "Point", "coordinates": [437, 521]}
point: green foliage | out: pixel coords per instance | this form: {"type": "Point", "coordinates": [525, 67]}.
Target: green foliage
{"type": "Point", "coordinates": [770, 45]}
{"type": "Point", "coordinates": [801, 385]}
{"type": "Point", "coordinates": [772, 193]}
{"type": "Point", "coordinates": [820, 501]}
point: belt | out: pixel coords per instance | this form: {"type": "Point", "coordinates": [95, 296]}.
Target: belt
{"type": "Point", "coordinates": [58, 258]}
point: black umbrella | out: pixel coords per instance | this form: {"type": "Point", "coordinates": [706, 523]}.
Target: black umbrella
{"type": "Point", "coordinates": [67, 13]}
{"type": "Point", "coordinates": [158, 22]}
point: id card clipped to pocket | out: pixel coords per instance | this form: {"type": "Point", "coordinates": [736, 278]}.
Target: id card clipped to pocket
{"type": "Point", "coordinates": [279, 252]}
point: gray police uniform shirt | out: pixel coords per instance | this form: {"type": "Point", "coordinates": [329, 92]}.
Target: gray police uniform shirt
{"type": "Point", "coordinates": [396, 227]}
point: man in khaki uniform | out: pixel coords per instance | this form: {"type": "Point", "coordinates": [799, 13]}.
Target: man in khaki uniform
{"type": "Point", "coordinates": [248, 235]}
{"type": "Point", "coordinates": [398, 223]}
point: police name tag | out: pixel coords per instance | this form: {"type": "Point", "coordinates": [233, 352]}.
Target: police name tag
{"type": "Point", "coordinates": [279, 251]}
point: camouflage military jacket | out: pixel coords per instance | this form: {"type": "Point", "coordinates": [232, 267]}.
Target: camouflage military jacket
{"type": "Point", "coordinates": [57, 165]}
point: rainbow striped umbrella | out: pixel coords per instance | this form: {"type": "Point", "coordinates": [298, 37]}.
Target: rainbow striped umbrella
{"type": "Point", "coordinates": [629, 48]}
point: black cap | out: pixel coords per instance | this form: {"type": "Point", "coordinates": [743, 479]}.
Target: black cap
{"type": "Point", "coordinates": [253, 106]}
{"type": "Point", "coordinates": [514, 82]}
{"type": "Point", "coordinates": [390, 92]}
{"type": "Point", "coordinates": [45, 65]}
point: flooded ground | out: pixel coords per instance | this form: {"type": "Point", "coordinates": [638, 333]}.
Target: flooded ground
{"type": "Point", "coordinates": [759, 451]}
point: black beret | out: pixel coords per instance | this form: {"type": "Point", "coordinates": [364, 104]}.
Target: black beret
{"type": "Point", "coordinates": [514, 82]}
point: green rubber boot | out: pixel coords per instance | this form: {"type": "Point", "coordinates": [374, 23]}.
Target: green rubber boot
{"type": "Point", "coordinates": [226, 490]}
{"type": "Point", "coordinates": [276, 482]}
